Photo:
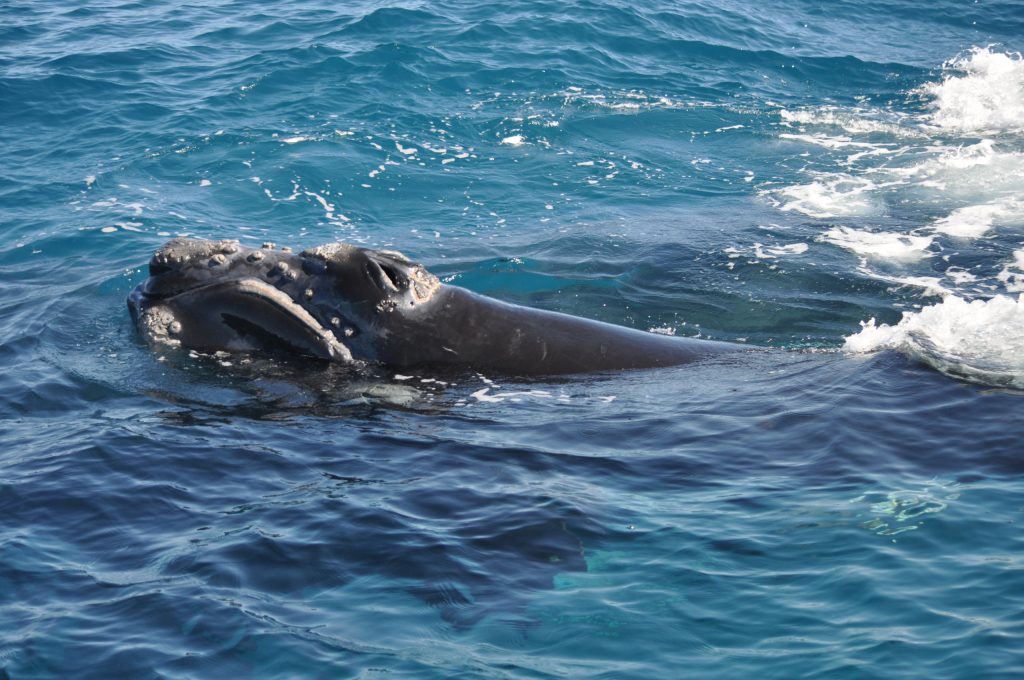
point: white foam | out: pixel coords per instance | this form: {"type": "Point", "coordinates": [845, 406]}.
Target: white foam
{"type": "Point", "coordinates": [771, 252]}
{"type": "Point", "coordinates": [981, 340]}
{"type": "Point", "coordinates": [829, 142]}
{"type": "Point", "coordinates": [295, 140]}
{"type": "Point", "coordinates": [971, 221]}
{"type": "Point", "coordinates": [327, 206]}
{"type": "Point", "coordinates": [433, 149]}
{"type": "Point", "coordinates": [988, 96]}
{"type": "Point", "coordinates": [976, 174]}
{"type": "Point", "coordinates": [960, 276]}
{"type": "Point", "coordinates": [946, 163]}
{"type": "Point", "coordinates": [835, 195]}
{"type": "Point", "coordinates": [483, 394]}
{"type": "Point", "coordinates": [885, 245]}
{"type": "Point", "coordinates": [514, 140]}
{"type": "Point", "coordinates": [852, 121]}
{"type": "Point", "coordinates": [929, 285]}
{"type": "Point", "coordinates": [1012, 275]}
{"type": "Point", "coordinates": [405, 150]}
{"type": "Point", "coordinates": [628, 100]}
{"type": "Point", "coordinates": [904, 184]}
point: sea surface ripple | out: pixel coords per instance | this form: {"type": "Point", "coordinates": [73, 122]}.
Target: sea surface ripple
{"type": "Point", "coordinates": [840, 184]}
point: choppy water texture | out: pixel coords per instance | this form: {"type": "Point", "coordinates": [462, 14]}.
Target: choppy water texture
{"type": "Point", "coordinates": [842, 182]}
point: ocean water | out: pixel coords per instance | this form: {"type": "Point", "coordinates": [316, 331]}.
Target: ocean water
{"type": "Point", "coordinates": [840, 183]}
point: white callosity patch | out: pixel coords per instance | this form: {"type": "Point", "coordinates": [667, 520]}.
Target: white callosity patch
{"type": "Point", "coordinates": [156, 324]}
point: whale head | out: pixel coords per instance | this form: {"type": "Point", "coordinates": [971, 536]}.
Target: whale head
{"type": "Point", "coordinates": [330, 302]}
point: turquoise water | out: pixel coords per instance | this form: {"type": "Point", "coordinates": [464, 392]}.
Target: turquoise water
{"type": "Point", "coordinates": [839, 183]}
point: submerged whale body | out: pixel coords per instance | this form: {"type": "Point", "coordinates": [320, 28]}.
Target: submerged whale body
{"type": "Point", "coordinates": [340, 302]}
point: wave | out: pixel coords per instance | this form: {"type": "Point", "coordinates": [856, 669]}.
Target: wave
{"type": "Point", "coordinates": [928, 200]}
{"type": "Point", "coordinates": [979, 340]}
{"type": "Point", "coordinates": [987, 98]}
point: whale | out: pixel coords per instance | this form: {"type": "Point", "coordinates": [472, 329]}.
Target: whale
{"type": "Point", "coordinates": [343, 303]}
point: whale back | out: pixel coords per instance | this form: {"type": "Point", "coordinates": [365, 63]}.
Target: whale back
{"type": "Point", "coordinates": [462, 327]}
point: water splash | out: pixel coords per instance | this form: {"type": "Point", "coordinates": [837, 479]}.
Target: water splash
{"type": "Point", "coordinates": [980, 340]}
{"type": "Point", "coordinates": [930, 202]}
{"type": "Point", "coordinates": [983, 91]}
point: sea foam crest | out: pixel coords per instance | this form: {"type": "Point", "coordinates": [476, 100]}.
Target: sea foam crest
{"type": "Point", "coordinates": [919, 192]}
{"type": "Point", "coordinates": [984, 92]}
{"type": "Point", "coordinates": [981, 340]}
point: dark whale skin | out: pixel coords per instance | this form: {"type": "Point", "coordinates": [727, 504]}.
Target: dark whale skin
{"type": "Point", "coordinates": [340, 302]}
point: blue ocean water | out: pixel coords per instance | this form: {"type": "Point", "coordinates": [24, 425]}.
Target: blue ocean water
{"type": "Point", "coordinates": [841, 183]}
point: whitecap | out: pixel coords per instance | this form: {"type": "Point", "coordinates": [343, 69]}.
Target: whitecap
{"type": "Point", "coordinates": [984, 92]}
{"type": "Point", "coordinates": [981, 340]}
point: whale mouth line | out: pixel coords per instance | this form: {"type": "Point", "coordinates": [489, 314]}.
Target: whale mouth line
{"type": "Point", "coordinates": [250, 308]}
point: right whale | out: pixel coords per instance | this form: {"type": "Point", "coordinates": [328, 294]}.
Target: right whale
{"type": "Point", "coordinates": [340, 302]}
